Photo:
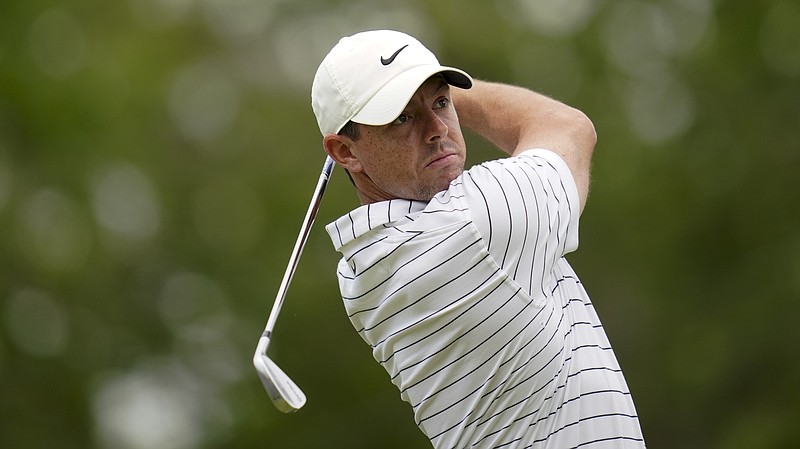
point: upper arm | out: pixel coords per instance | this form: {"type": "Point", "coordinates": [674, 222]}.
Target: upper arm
{"type": "Point", "coordinates": [569, 133]}
{"type": "Point", "coordinates": [526, 210]}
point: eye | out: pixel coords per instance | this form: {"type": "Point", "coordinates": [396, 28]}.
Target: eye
{"type": "Point", "coordinates": [442, 103]}
{"type": "Point", "coordinates": [402, 118]}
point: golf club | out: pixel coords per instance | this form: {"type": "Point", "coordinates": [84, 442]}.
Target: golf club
{"type": "Point", "coordinates": [283, 392]}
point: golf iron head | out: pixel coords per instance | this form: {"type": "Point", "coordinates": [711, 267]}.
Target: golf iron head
{"type": "Point", "coordinates": [284, 393]}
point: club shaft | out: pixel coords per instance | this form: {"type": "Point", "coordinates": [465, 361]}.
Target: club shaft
{"type": "Point", "coordinates": [313, 207]}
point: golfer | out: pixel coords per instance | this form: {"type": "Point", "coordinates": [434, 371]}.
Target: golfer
{"type": "Point", "coordinates": [457, 279]}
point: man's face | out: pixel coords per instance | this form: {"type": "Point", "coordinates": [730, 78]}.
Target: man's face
{"type": "Point", "coordinates": [417, 155]}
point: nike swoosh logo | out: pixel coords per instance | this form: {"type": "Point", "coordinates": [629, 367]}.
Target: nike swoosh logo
{"type": "Point", "coordinates": [390, 59]}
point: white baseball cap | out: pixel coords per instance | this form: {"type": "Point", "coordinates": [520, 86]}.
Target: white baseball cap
{"type": "Point", "coordinates": [370, 77]}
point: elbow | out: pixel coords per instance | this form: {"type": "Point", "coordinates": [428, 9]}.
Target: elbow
{"type": "Point", "coordinates": [584, 139]}
{"type": "Point", "coordinates": [584, 131]}
{"type": "Point", "coordinates": [576, 129]}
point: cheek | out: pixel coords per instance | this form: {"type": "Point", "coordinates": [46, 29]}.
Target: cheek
{"type": "Point", "coordinates": [392, 168]}
{"type": "Point", "coordinates": [378, 161]}
{"type": "Point", "coordinates": [454, 131]}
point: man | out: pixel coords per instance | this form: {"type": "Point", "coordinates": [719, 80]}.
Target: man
{"type": "Point", "coordinates": [456, 279]}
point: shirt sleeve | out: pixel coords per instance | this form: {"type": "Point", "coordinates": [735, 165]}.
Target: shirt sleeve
{"type": "Point", "coordinates": [526, 208]}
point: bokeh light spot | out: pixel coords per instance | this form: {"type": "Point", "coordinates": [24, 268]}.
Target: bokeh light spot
{"type": "Point", "coordinates": [302, 42]}
{"type": "Point", "coordinates": [629, 37]}
{"type": "Point", "coordinates": [158, 14]}
{"type": "Point", "coordinates": [684, 26]}
{"type": "Point", "coordinates": [660, 107]}
{"type": "Point", "coordinates": [203, 102]}
{"type": "Point", "coordinates": [36, 323]}
{"type": "Point", "coordinates": [189, 298]}
{"type": "Point", "coordinates": [57, 43]}
{"type": "Point", "coordinates": [238, 20]}
{"type": "Point", "coordinates": [125, 203]}
{"type": "Point", "coordinates": [780, 38]}
{"type": "Point", "coordinates": [156, 405]}
{"type": "Point", "coordinates": [52, 231]}
{"type": "Point", "coordinates": [553, 18]}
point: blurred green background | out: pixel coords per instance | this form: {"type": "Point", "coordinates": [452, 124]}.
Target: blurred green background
{"type": "Point", "coordinates": [157, 157]}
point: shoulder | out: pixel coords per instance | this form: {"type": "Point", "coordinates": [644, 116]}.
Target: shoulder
{"type": "Point", "coordinates": [537, 159]}
{"type": "Point", "coordinates": [534, 169]}
{"type": "Point", "coordinates": [531, 195]}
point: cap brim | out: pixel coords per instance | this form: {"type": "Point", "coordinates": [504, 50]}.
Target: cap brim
{"type": "Point", "coordinates": [392, 98]}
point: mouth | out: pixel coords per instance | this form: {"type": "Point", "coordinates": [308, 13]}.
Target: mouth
{"type": "Point", "coordinates": [443, 160]}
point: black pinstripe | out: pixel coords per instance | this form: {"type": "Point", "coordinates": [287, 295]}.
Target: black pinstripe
{"type": "Point", "coordinates": [469, 305]}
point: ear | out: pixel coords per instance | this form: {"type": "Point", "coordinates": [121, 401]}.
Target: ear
{"type": "Point", "coordinates": [339, 149]}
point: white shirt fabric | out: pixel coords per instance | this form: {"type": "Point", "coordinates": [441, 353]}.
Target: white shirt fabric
{"type": "Point", "coordinates": [480, 322]}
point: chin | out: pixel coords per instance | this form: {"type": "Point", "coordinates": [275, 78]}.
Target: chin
{"type": "Point", "coordinates": [455, 173]}
{"type": "Point", "coordinates": [443, 183]}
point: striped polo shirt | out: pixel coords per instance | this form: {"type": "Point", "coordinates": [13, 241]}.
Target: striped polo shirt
{"type": "Point", "coordinates": [468, 303]}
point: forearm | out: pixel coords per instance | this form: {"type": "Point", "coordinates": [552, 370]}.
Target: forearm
{"type": "Point", "coordinates": [516, 119]}
{"type": "Point", "coordinates": [510, 116]}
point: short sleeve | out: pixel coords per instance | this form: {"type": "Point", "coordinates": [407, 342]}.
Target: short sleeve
{"type": "Point", "coordinates": [526, 208]}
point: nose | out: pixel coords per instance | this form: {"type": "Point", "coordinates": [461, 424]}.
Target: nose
{"type": "Point", "coordinates": [437, 128]}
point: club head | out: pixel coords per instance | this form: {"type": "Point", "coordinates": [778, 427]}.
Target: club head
{"type": "Point", "coordinates": [284, 393]}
